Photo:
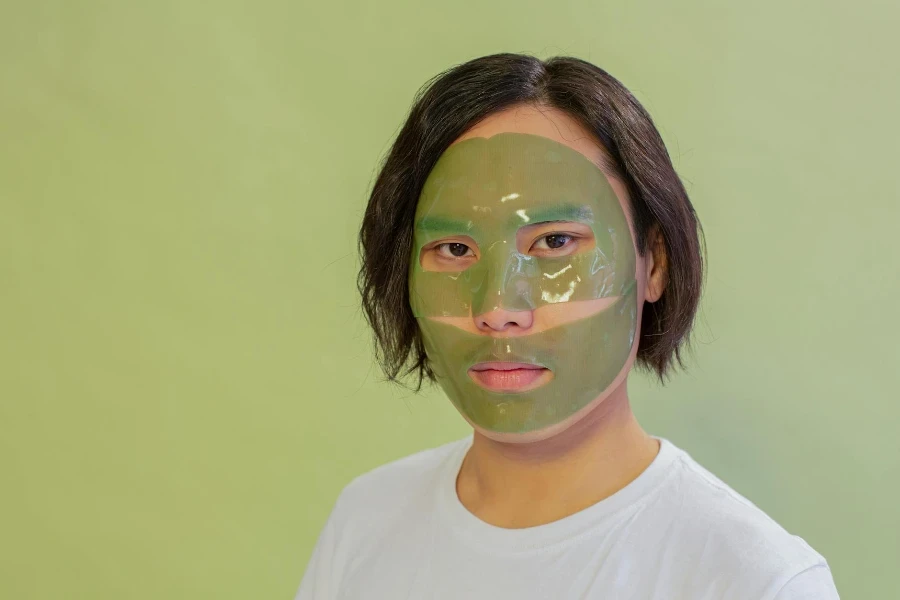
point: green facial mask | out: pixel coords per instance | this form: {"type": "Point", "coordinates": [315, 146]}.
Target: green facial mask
{"type": "Point", "coordinates": [487, 189]}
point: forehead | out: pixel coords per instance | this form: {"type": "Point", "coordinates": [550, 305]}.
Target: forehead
{"type": "Point", "coordinates": [513, 179]}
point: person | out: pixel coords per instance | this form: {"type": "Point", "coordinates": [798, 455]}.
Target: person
{"type": "Point", "coordinates": [526, 243]}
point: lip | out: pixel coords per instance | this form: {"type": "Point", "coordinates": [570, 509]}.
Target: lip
{"type": "Point", "coordinates": [509, 376]}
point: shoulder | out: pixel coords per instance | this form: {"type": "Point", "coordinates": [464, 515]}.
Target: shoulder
{"type": "Point", "coordinates": [392, 496]}
{"type": "Point", "coordinates": [407, 473]}
{"type": "Point", "coordinates": [396, 487]}
{"type": "Point", "coordinates": [729, 531]}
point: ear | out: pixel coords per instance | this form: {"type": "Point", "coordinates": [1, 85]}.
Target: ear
{"type": "Point", "coordinates": [657, 264]}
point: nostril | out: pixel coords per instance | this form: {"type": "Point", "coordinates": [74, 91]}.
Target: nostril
{"type": "Point", "coordinates": [502, 320]}
{"type": "Point", "coordinates": [486, 324]}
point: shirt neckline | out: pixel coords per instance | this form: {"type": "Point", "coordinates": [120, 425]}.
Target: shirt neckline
{"type": "Point", "coordinates": [583, 523]}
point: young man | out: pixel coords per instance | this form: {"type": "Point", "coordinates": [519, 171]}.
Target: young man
{"type": "Point", "coordinates": [526, 243]}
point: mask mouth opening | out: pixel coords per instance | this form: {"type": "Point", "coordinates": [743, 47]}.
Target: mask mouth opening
{"type": "Point", "coordinates": [509, 377]}
{"type": "Point", "coordinates": [505, 366]}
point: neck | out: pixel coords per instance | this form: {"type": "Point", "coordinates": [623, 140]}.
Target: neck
{"type": "Point", "coordinates": [517, 485]}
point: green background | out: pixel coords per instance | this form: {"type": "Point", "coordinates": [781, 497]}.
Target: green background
{"type": "Point", "coordinates": [186, 379]}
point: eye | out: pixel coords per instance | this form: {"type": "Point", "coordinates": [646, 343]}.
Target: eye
{"type": "Point", "coordinates": [451, 255]}
{"type": "Point", "coordinates": [453, 250]}
{"type": "Point", "coordinates": [553, 241]}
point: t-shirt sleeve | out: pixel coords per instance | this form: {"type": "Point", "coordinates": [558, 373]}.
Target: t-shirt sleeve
{"type": "Point", "coordinates": [317, 582]}
{"type": "Point", "coordinates": [814, 583]}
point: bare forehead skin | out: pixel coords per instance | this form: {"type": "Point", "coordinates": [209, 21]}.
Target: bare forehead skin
{"type": "Point", "coordinates": [546, 122]}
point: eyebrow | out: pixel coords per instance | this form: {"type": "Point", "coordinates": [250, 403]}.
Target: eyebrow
{"type": "Point", "coordinates": [442, 224]}
{"type": "Point", "coordinates": [549, 214]}
{"type": "Point", "coordinates": [557, 212]}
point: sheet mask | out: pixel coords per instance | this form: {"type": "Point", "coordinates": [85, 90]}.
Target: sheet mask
{"type": "Point", "coordinates": [486, 189]}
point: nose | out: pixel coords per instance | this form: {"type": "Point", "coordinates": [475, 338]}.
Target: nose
{"type": "Point", "coordinates": [505, 320]}
{"type": "Point", "coordinates": [501, 284]}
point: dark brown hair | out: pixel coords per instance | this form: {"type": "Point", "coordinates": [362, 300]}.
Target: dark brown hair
{"type": "Point", "coordinates": [455, 100]}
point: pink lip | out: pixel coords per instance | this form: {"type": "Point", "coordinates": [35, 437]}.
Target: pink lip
{"type": "Point", "coordinates": [508, 376]}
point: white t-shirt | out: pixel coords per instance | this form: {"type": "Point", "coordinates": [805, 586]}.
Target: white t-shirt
{"type": "Point", "coordinates": [676, 532]}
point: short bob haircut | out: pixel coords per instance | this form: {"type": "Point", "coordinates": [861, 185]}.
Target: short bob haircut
{"type": "Point", "coordinates": [457, 99]}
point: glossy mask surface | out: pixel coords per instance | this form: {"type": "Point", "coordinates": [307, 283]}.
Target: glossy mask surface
{"type": "Point", "coordinates": [487, 189]}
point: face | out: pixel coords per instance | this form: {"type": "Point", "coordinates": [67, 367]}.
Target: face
{"type": "Point", "coordinates": [524, 277]}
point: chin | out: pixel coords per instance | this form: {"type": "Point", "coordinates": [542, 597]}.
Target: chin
{"type": "Point", "coordinates": [576, 423]}
{"type": "Point", "coordinates": [582, 417]}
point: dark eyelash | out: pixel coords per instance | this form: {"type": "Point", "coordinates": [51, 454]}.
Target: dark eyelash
{"type": "Point", "coordinates": [437, 247]}
{"type": "Point", "coordinates": [571, 236]}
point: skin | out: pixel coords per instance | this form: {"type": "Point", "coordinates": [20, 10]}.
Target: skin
{"type": "Point", "coordinates": [517, 480]}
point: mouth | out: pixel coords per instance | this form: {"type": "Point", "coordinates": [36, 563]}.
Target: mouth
{"type": "Point", "coordinates": [509, 376]}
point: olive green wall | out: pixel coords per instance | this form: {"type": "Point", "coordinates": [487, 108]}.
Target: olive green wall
{"type": "Point", "coordinates": [186, 380]}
